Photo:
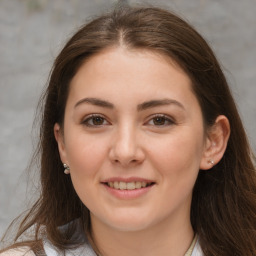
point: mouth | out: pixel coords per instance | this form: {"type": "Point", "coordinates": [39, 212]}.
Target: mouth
{"type": "Point", "coordinates": [121, 185]}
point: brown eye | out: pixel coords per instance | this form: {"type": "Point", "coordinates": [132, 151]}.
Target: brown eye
{"type": "Point", "coordinates": [159, 120]}
{"type": "Point", "coordinates": [95, 120]}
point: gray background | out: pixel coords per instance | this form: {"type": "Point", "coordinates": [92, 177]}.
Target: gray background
{"type": "Point", "coordinates": [33, 31]}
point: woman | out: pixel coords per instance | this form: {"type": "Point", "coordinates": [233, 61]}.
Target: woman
{"type": "Point", "coordinates": [139, 116]}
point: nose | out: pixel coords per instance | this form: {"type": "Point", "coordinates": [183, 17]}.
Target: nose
{"type": "Point", "coordinates": [126, 149]}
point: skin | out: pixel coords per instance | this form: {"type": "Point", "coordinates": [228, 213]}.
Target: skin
{"type": "Point", "coordinates": [127, 139]}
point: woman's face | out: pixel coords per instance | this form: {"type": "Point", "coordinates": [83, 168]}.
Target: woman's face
{"type": "Point", "coordinates": [133, 138]}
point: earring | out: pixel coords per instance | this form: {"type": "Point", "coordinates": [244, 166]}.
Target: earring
{"type": "Point", "coordinates": [211, 162]}
{"type": "Point", "coordinates": [66, 169]}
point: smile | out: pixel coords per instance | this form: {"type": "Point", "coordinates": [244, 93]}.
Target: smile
{"type": "Point", "coordinates": [121, 185]}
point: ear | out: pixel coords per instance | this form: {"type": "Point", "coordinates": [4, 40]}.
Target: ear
{"type": "Point", "coordinates": [216, 143]}
{"type": "Point", "coordinates": [58, 134]}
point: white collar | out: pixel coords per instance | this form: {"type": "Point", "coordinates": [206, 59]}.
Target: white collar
{"type": "Point", "coordinates": [197, 251]}
{"type": "Point", "coordinates": [86, 249]}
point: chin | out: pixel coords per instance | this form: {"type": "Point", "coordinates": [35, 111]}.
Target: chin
{"type": "Point", "coordinates": [129, 227]}
{"type": "Point", "coordinates": [128, 223]}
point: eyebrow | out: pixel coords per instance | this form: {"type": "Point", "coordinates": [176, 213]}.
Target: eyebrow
{"type": "Point", "coordinates": [143, 106]}
{"type": "Point", "coordinates": [157, 103]}
{"type": "Point", "coordinates": [96, 102]}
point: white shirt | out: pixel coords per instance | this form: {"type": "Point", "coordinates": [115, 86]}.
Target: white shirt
{"type": "Point", "coordinates": [85, 250]}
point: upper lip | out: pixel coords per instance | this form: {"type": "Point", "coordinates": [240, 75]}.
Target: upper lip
{"type": "Point", "coordinates": [128, 179]}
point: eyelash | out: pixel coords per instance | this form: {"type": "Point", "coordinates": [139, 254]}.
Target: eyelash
{"type": "Point", "coordinates": [167, 120]}
{"type": "Point", "coordinates": [91, 118]}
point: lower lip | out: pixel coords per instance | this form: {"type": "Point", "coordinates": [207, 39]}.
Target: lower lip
{"type": "Point", "coordinates": [128, 194]}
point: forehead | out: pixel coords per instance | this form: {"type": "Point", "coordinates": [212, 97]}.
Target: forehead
{"type": "Point", "coordinates": [117, 68]}
{"type": "Point", "coordinates": [127, 78]}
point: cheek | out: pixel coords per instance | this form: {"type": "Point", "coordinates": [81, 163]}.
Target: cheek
{"type": "Point", "coordinates": [178, 156]}
{"type": "Point", "coordinates": [85, 154]}
{"type": "Point", "coordinates": [86, 157]}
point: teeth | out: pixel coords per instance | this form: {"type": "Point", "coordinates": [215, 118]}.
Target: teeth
{"type": "Point", "coordinates": [138, 184]}
{"type": "Point", "coordinates": [122, 185]}
{"type": "Point", "coordinates": [143, 184]}
{"type": "Point", "coordinates": [116, 185]}
{"type": "Point", "coordinates": [128, 185]}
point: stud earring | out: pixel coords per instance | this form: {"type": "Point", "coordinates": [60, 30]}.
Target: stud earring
{"type": "Point", "coordinates": [66, 169]}
{"type": "Point", "coordinates": [211, 162]}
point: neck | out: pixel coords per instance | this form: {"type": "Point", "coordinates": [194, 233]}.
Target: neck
{"type": "Point", "coordinates": [170, 238]}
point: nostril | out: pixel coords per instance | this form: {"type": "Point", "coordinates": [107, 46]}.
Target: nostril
{"type": "Point", "coordinates": [132, 161]}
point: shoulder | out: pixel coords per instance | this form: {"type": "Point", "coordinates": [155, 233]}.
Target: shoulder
{"type": "Point", "coordinates": [19, 251]}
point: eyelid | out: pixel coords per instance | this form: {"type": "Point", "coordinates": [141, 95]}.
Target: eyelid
{"type": "Point", "coordinates": [169, 121]}
{"type": "Point", "coordinates": [89, 117]}
{"type": "Point", "coordinates": [167, 118]}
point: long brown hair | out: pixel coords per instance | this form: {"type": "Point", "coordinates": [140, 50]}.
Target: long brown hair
{"type": "Point", "coordinates": [223, 211]}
